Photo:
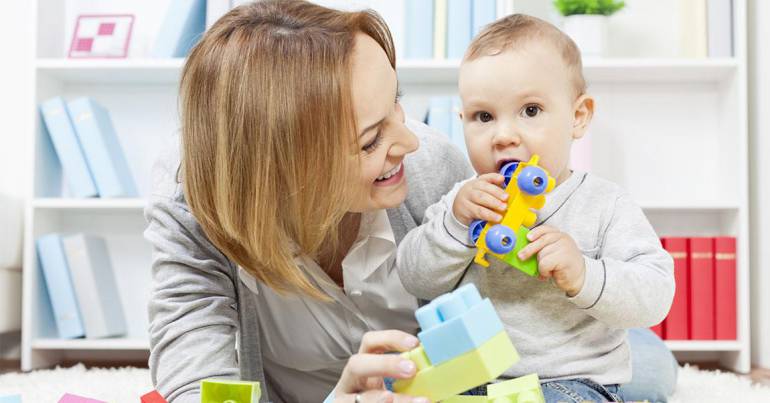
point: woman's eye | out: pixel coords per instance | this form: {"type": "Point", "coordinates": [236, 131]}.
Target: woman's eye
{"type": "Point", "coordinates": [532, 110]}
{"type": "Point", "coordinates": [483, 117]}
{"type": "Point", "coordinates": [372, 145]}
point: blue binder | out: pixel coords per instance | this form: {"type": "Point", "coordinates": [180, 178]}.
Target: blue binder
{"type": "Point", "coordinates": [419, 29]}
{"type": "Point", "coordinates": [53, 263]}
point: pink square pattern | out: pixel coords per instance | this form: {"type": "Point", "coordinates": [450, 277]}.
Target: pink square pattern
{"type": "Point", "coordinates": [106, 28]}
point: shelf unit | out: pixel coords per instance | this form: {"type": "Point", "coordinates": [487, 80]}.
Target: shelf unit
{"type": "Point", "coordinates": [672, 132]}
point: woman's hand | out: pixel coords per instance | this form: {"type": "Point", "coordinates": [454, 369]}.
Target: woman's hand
{"type": "Point", "coordinates": [362, 378]}
{"type": "Point", "coordinates": [481, 198]}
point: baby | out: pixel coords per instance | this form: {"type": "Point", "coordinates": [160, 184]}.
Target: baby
{"type": "Point", "coordinates": [602, 269]}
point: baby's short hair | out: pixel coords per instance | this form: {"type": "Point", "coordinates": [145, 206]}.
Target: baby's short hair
{"type": "Point", "coordinates": [518, 29]}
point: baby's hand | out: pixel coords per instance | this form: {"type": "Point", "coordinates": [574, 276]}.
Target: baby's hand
{"type": "Point", "coordinates": [558, 257]}
{"type": "Point", "coordinates": [481, 198]}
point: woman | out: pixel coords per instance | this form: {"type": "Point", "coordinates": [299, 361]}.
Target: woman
{"type": "Point", "coordinates": [276, 233]}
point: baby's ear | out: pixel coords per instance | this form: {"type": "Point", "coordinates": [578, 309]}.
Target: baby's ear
{"type": "Point", "coordinates": [584, 112]}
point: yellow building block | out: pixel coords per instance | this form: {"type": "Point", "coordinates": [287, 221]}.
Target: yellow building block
{"type": "Point", "coordinates": [466, 371]}
{"type": "Point", "coordinates": [525, 389]}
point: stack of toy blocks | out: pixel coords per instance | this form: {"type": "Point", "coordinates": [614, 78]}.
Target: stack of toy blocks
{"type": "Point", "coordinates": [463, 345]}
{"type": "Point", "coordinates": [229, 391]}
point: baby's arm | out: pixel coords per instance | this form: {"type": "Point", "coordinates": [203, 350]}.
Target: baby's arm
{"type": "Point", "coordinates": [432, 258]}
{"type": "Point", "coordinates": [631, 282]}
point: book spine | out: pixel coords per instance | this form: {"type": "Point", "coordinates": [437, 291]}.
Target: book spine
{"type": "Point", "coordinates": [75, 169]}
{"type": "Point", "coordinates": [701, 288]}
{"type": "Point", "coordinates": [182, 26]}
{"type": "Point", "coordinates": [725, 287]}
{"type": "Point", "coordinates": [419, 29]}
{"type": "Point", "coordinates": [102, 148]}
{"type": "Point", "coordinates": [459, 27]}
{"type": "Point", "coordinates": [676, 323]}
{"type": "Point", "coordinates": [59, 285]}
{"type": "Point", "coordinates": [720, 28]}
{"type": "Point", "coordinates": [440, 29]}
{"type": "Point", "coordinates": [95, 286]}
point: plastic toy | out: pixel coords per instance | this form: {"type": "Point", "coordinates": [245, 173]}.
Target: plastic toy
{"type": "Point", "coordinates": [215, 390]}
{"type": "Point", "coordinates": [525, 389]}
{"type": "Point", "coordinates": [526, 184]}
{"type": "Point", "coordinates": [481, 352]}
{"type": "Point", "coordinates": [70, 398]}
{"type": "Point", "coordinates": [153, 397]}
{"type": "Point", "coordinates": [10, 399]}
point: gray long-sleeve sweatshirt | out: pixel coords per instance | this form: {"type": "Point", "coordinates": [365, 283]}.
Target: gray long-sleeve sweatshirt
{"type": "Point", "coordinates": [629, 281]}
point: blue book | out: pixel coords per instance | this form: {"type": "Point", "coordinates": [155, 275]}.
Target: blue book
{"type": "Point", "coordinates": [439, 115]}
{"type": "Point", "coordinates": [10, 399]}
{"type": "Point", "coordinates": [73, 162]}
{"type": "Point", "coordinates": [484, 12]}
{"type": "Point", "coordinates": [419, 29]}
{"type": "Point", "coordinates": [56, 273]}
{"type": "Point", "coordinates": [95, 286]}
{"type": "Point", "coordinates": [182, 27]}
{"type": "Point", "coordinates": [102, 148]}
{"type": "Point", "coordinates": [456, 131]}
{"type": "Point", "coordinates": [458, 28]}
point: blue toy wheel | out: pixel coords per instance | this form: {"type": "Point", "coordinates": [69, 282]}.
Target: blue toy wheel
{"type": "Point", "coordinates": [474, 231]}
{"type": "Point", "coordinates": [533, 180]}
{"type": "Point", "coordinates": [507, 171]}
{"type": "Point", "coordinates": [500, 239]}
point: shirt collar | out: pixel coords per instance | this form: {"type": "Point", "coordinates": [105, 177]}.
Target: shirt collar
{"type": "Point", "coordinates": [560, 195]}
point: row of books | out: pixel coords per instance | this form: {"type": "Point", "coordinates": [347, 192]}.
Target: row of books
{"type": "Point", "coordinates": [81, 286]}
{"type": "Point", "coordinates": [707, 28]}
{"type": "Point", "coordinates": [88, 149]}
{"type": "Point", "coordinates": [442, 29]}
{"type": "Point", "coordinates": [705, 304]}
{"type": "Point", "coordinates": [444, 116]}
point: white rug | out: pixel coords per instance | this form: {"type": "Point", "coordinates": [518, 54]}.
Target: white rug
{"type": "Point", "coordinates": [128, 384]}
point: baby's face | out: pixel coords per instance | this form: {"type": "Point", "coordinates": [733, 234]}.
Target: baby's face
{"type": "Point", "coordinates": [519, 103]}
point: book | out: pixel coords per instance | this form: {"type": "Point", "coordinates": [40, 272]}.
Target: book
{"type": "Point", "coordinates": [419, 29]}
{"type": "Point", "coordinates": [75, 169]}
{"type": "Point", "coordinates": [459, 27]}
{"type": "Point", "coordinates": [181, 29]}
{"type": "Point", "coordinates": [694, 30]}
{"type": "Point", "coordinates": [215, 9]}
{"type": "Point", "coordinates": [484, 12]}
{"type": "Point", "coordinates": [659, 330]}
{"type": "Point", "coordinates": [102, 149]}
{"type": "Point", "coordinates": [56, 274]}
{"type": "Point", "coordinates": [439, 115]}
{"type": "Point", "coordinates": [725, 289]}
{"type": "Point", "coordinates": [456, 126]}
{"type": "Point", "coordinates": [701, 265]}
{"type": "Point", "coordinates": [720, 28]}
{"type": "Point", "coordinates": [677, 321]}
{"type": "Point", "coordinates": [95, 287]}
{"type": "Point", "coordinates": [440, 29]}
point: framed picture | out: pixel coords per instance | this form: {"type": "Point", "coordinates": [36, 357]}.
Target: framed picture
{"type": "Point", "coordinates": [101, 36]}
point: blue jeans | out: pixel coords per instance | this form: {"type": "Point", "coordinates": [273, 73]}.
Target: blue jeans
{"type": "Point", "coordinates": [654, 371]}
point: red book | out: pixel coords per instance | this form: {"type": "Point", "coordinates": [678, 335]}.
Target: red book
{"type": "Point", "coordinates": [724, 288]}
{"type": "Point", "coordinates": [701, 288]}
{"type": "Point", "coordinates": [676, 323]}
{"type": "Point", "coordinates": [659, 330]}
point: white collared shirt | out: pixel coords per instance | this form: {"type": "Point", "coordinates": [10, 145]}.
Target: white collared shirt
{"type": "Point", "coordinates": [308, 341]}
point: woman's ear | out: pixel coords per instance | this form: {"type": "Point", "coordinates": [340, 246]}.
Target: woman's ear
{"type": "Point", "coordinates": [584, 112]}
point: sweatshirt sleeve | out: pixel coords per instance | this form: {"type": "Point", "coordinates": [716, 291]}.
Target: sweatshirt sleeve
{"type": "Point", "coordinates": [432, 258]}
{"type": "Point", "coordinates": [631, 282]}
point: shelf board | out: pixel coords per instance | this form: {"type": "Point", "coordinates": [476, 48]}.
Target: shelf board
{"type": "Point", "coordinates": [90, 204]}
{"type": "Point", "coordinates": [704, 345]}
{"type": "Point", "coordinates": [92, 344]}
{"type": "Point", "coordinates": [167, 71]}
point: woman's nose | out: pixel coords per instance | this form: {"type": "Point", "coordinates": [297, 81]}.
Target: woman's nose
{"type": "Point", "coordinates": [406, 142]}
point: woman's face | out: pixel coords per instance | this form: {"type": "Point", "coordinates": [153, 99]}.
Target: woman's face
{"type": "Point", "coordinates": [383, 137]}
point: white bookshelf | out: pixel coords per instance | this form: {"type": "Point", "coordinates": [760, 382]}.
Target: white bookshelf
{"type": "Point", "coordinates": [670, 131]}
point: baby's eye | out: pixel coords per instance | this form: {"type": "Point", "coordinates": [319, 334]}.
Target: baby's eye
{"type": "Point", "coordinates": [483, 117]}
{"type": "Point", "coordinates": [532, 110]}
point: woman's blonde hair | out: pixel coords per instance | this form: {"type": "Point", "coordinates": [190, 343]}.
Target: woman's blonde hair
{"type": "Point", "coordinates": [269, 135]}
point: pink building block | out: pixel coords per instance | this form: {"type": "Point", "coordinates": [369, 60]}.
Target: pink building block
{"type": "Point", "coordinates": [70, 398]}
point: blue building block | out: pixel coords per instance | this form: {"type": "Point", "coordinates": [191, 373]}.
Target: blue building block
{"type": "Point", "coordinates": [456, 323]}
{"type": "Point", "coordinates": [10, 399]}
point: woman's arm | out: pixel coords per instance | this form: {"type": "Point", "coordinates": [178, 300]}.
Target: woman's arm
{"type": "Point", "coordinates": [193, 317]}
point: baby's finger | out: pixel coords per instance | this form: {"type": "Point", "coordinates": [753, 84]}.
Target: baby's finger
{"type": "Point", "coordinates": [483, 213]}
{"type": "Point", "coordinates": [538, 244]}
{"type": "Point", "coordinates": [539, 231]}
{"type": "Point", "coordinates": [493, 178]}
{"type": "Point", "coordinates": [487, 200]}
{"type": "Point", "coordinates": [496, 191]}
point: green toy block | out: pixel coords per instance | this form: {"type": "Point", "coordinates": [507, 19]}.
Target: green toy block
{"type": "Point", "coordinates": [474, 368]}
{"type": "Point", "coordinates": [528, 266]}
{"type": "Point", "coordinates": [525, 389]}
{"type": "Point", "coordinates": [214, 390]}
